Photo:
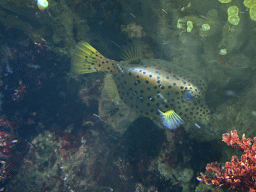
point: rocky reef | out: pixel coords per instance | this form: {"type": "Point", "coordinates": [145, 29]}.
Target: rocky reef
{"type": "Point", "coordinates": [73, 133]}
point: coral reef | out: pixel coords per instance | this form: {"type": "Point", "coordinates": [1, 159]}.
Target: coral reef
{"type": "Point", "coordinates": [239, 173]}
{"type": "Point", "coordinates": [11, 153]}
{"type": "Point", "coordinates": [80, 137]}
{"type": "Point", "coordinates": [57, 24]}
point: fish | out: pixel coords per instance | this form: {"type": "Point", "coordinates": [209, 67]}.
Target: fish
{"type": "Point", "coordinates": [154, 88]}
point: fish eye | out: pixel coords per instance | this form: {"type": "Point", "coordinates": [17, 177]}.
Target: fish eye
{"type": "Point", "coordinates": [189, 96]}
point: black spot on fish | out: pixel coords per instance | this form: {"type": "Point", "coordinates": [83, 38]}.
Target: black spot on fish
{"type": "Point", "coordinates": [158, 77]}
{"type": "Point", "coordinates": [144, 72]}
{"type": "Point", "coordinates": [150, 76]}
{"type": "Point", "coordinates": [174, 84]}
{"type": "Point", "coordinates": [99, 65]}
{"type": "Point", "coordinates": [125, 82]}
{"type": "Point", "coordinates": [167, 77]}
{"type": "Point", "coordinates": [146, 113]}
{"type": "Point", "coordinates": [181, 87]}
{"type": "Point", "coordinates": [166, 106]}
{"type": "Point", "coordinates": [146, 82]}
{"type": "Point", "coordinates": [155, 87]}
{"type": "Point", "coordinates": [141, 91]}
{"type": "Point", "coordinates": [169, 87]}
{"type": "Point", "coordinates": [151, 110]}
{"type": "Point", "coordinates": [130, 73]}
{"type": "Point", "coordinates": [149, 88]}
{"type": "Point", "coordinates": [158, 81]}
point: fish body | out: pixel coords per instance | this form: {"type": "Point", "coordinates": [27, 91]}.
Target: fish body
{"type": "Point", "coordinates": [153, 88]}
{"type": "Point", "coordinates": [154, 85]}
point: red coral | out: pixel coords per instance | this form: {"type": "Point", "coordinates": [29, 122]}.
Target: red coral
{"type": "Point", "coordinates": [239, 174]}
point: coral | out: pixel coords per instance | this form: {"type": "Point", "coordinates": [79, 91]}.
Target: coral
{"type": "Point", "coordinates": [251, 5]}
{"type": "Point", "coordinates": [205, 27]}
{"type": "Point", "coordinates": [239, 174]}
{"type": "Point", "coordinates": [133, 30]}
{"type": "Point", "coordinates": [225, 1]}
{"type": "Point", "coordinates": [10, 155]}
{"type": "Point", "coordinates": [42, 4]}
{"type": "Point", "coordinates": [233, 16]}
{"type": "Point", "coordinates": [253, 12]}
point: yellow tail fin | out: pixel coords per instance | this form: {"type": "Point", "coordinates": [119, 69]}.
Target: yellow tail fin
{"type": "Point", "coordinates": [86, 59]}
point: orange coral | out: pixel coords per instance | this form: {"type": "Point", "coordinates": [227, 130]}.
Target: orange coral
{"type": "Point", "coordinates": [239, 174]}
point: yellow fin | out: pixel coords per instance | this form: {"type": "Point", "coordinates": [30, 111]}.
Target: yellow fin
{"type": "Point", "coordinates": [86, 59]}
{"type": "Point", "coordinates": [170, 119]}
{"type": "Point", "coordinates": [80, 62]}
{"type": "Point", "coordinates": [110, 86]}
{"type": "Point", "coordinates": [132, 53]}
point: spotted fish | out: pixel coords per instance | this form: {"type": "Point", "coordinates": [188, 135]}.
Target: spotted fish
{"type": "Point", "coordinates": [153, 88]}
